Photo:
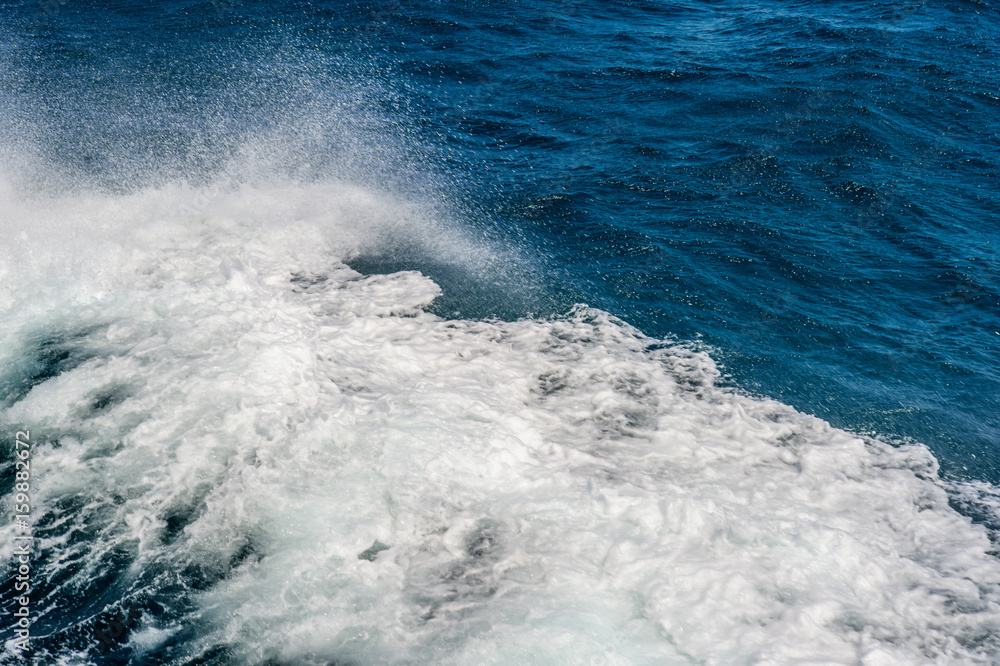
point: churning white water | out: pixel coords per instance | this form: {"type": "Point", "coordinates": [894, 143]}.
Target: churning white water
{"type": "Point", "coordinates": [287, 462]}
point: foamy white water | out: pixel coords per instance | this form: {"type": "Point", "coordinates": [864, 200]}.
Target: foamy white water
{"type": "Point", "coordinates": [279, 460]}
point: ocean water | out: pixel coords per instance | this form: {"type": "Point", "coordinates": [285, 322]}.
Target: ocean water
{"type": "Point", "coordinates": [507, 332]}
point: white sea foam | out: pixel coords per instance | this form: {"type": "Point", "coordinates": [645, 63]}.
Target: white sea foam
{"type": "Point", "coordinates": [333, 475]}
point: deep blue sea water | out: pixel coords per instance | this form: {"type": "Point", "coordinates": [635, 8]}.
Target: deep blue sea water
{"type": "Point", "coordinates": [493, 332]}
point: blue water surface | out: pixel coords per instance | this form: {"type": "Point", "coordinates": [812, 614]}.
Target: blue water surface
{"type": "Point", "coordinates": [808, 187]}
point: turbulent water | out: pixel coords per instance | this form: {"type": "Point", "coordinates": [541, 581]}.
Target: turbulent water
{"type": "Point", "coordinates": [509, 332]}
